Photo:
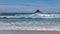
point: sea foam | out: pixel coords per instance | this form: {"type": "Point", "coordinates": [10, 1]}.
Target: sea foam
{"type": "Point", "coordinates": [28, 28]}
{"type": "Point", "coordinates": [33, 16]}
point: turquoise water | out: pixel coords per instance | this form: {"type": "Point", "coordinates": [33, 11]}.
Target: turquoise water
{"type": "Point", "coordinates": [31, 20]}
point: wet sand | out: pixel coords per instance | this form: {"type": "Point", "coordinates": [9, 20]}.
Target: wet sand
{"type": "Point", "coordinates": [27, 32]}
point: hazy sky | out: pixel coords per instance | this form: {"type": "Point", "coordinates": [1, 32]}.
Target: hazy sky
{"type": "Point", "coordinates": [52, 6]}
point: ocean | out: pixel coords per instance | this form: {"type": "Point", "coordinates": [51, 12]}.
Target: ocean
{"type": "Point", "coordinates": [32, 21]}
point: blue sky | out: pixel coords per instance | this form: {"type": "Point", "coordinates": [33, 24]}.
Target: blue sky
{"type": "Point", "coordinates": [31, 2]}
{"type": "Point", "coordinates": [30, 6]}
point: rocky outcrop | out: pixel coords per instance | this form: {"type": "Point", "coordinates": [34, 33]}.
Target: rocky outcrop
{"type": "Point", "coordinates": [38, 11]}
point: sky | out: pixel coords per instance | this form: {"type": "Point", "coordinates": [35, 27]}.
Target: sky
{"type": "Point", "coordinates": [29, 6]}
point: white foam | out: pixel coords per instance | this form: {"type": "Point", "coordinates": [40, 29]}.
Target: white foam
{"type": "Point", "coordinates": [28, 28]}
{"type": "Point", "coordinates": [34, 16]}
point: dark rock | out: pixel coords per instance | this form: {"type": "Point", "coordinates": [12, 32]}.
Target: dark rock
{"type": "Point", "coordinates": [38, 11]}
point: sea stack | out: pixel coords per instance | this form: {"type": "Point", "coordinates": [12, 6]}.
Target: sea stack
{"type": "Point", "coordinates": [38, 11]}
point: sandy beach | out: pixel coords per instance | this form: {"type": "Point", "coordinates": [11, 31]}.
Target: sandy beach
{"type": "Point", "coordinates": [27, 32]}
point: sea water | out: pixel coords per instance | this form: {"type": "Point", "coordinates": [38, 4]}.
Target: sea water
{"type": "Point", "coordinates": [38, 21]}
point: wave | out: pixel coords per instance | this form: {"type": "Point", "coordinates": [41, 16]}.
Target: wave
{"type": "Point", "coordinates": [33, 16]}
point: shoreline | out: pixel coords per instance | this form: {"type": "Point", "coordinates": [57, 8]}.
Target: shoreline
{"type": "Point", "coordinates": [27, 28]}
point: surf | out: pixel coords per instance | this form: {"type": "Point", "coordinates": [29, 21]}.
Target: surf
{"type": "Point", "coordinates": [37, 15]}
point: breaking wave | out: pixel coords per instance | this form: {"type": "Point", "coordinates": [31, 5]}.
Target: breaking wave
{"type": "Point", "coordinates": [33, 16]}
{"type": "Point", "coordinates": [31, 24]}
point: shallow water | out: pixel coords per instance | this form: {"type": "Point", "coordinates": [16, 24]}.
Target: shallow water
{"type": "Point", "coordinates": [32, 20]}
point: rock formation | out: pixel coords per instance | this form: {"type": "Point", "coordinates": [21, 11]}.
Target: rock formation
{"type": "Point", "coordinates": [38, 11]}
